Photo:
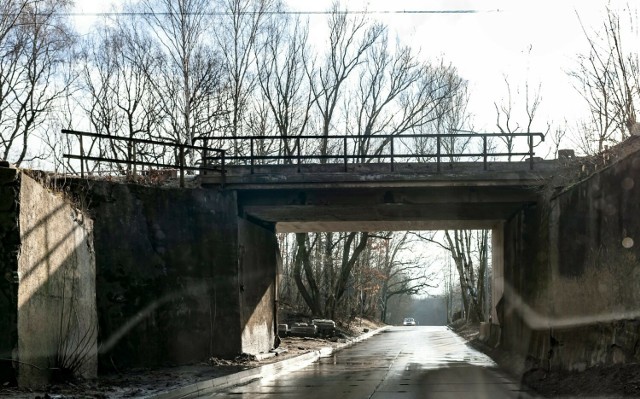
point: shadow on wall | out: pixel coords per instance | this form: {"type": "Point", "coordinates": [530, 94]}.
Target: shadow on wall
{"type": "Point", "coordinates": [167, 281]}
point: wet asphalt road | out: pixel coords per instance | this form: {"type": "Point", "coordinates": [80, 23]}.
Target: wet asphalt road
{"type": "Point", "coordinates": [403, 362]}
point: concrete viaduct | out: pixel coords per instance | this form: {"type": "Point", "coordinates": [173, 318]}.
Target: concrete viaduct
{"type": "Point", "coordinates": [181, 274]}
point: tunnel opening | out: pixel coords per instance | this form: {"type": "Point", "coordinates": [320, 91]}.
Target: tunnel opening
{"type": "Point", "coordinates": [392, 277]}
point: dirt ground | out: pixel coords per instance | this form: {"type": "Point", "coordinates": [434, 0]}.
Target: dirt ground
{"type": "Point", "coordinates": [617, 381]}
{"type": "Point", "coordinates": [143, 382]}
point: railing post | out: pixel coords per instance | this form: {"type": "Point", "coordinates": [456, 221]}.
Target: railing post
{"type": "Point", "coordinates": [484, 152]}
{"type": "Point", "coordinates": [392, 153]}
{"type": "Point", "coordinates": [251, 141]}
{"type": "Point", "coordinates": [344, 154]}
{"type": "Point", "coordinates": [438, 152]}
{"type": "Point", "coordinates": [81, 157]}
{"type": "Point", "coordinates": [134, 167]}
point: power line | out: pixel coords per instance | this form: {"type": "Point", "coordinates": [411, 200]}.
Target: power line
{"type": "Point", "coordinates": [223, 13]}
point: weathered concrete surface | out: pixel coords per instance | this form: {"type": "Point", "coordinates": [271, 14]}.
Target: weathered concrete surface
{"type": "Point", "coordinates": [56, 307]}
{"type": "Point", "coordinates": [167, 278]}
{"type": "Point", "coordinates": [414, 174]}
{"type": "Point", "coordinates": [258, 248]}
{"type": "Point", "coordinates": [9, 247]}
{"type": "Point", "coordinates": [572, 273]}
{"type": "Point", "coordinates": [180, 277]}
{"type": "Point", "coordinates": [384, 207]}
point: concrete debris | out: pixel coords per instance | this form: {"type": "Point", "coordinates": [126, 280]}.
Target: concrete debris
{"type": "Point", "coordinates": [304, 330]}
{"type": "Point", "coordinates": [326, 327]}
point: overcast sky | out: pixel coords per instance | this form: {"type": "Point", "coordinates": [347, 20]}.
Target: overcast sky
{"type": "Point", "coordinates": [535, 41]}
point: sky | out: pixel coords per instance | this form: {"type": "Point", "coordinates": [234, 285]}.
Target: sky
{"type": "Point", "coordinates": [523, 41]}
{"type": "Point", "coordinates": [534, 42]}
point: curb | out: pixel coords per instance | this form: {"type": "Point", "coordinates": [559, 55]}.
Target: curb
{"type": "Point", "coordinates": [256, 373]}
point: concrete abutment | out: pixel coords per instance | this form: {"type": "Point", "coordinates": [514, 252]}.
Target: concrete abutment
{"type": "Point", "coordinates": [155, 276]}
{"type": "Point", "coordinates": [572, 273]}
{"type": "Point", "coordinates": [181, 276]}
{"type": "Point", "coordinates": [47, 299]}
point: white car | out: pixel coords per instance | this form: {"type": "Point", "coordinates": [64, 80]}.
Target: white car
{"type": "Point", "coordinates": [409, 321]}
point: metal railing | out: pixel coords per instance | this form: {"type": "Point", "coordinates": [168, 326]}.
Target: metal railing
{"type": "Point", "coordinates": [299, 150]}
{"type": "Point", "coordinates": [294, 154]}
{"type": "Point", "coordinates": [179, 150]}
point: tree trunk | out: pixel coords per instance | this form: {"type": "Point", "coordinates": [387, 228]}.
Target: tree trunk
{"type": "Point", "coordinates": [303, 263]}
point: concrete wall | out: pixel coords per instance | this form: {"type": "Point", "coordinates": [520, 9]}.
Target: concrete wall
{"type": "Point", "coordinates": [258, 248]}
{"type": "Point", "coordinates": [572, 273]}
{"type": "Point", "coordinates": [167, 273]}
{"type": "Point", "coordinates": [526, 273]}
{"type": "Point", "coordinates": [171, 276]}
{"type": "Point", "coordinates": [57, 327]}
{"type": "Point", "coordinates": [9, 247]}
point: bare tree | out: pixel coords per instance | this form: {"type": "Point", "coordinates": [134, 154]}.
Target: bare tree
{"type": "Point", "coordinates": [189, 82]}
{"type": "Point", "coordinates": [469, 250]}
{"type": "Point", "coordinates": [472, 279]}
{"type": "Point", "coordinates": [284, 85]}
{"type": "Point", "coordinates": [507, 117]}
{"type": "Point", "coordinates": [557, 136]}
{"type": "Point", "coordinates": [304, 275]}
{"type": "Point", "coordinates": [401, 276]}
{"type": "Point", "coordinates": [237, 34]}
{"type": "Point", "coordinates": [397, 94]}
{"type": "Point", "coordinates": [608, 78]}
{"type": "Point", "coordinates": [34, 36]}
{"type": "Point", "coordinates": [349, 40]}
{"type": "Point", "coordinates": [323, 292]}
{"type": "Point", "coordinates": [117, 90]}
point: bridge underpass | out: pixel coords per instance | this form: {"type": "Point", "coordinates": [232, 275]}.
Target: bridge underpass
{"type": "Point", "coordinates": [325, 198]}
{"type": "Point", "coordinates": [370, 198]}
{"type": "Point", "coordinates": [561, 259]}
{"type": "Point", "coordinates": [199, 265]}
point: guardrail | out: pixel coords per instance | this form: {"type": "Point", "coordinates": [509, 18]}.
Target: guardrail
{"type": "Point", "coordinates": [179, 150]}
{"type": "Point", "coordinates": [348, 144]}
{"type": "Point", "coordinates": [299, 150]}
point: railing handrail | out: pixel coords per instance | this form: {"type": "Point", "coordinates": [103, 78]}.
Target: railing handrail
{"type": "Point", "coordinates": [364, 156]}
{"type": "Point", "coordinates": [378, 136]}
{"type": "Point", "coordinates": [389, 139]}
{"type": "Point", "coordinates": [143, 141]}
{"type": "Point", "coordinates": [180, 161]}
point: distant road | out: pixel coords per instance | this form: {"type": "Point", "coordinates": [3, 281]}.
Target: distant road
{"type": "Point", "coordinates": [403, 362]}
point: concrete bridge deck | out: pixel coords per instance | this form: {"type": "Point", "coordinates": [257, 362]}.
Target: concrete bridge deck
{"type": "Point", "coordinates": [376, 197]}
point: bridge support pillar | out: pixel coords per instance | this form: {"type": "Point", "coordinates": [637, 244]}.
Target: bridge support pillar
{"type": "Point", "coordinates": [257, 281]}
{"type": "Point", "coordinates": [497, 264]}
